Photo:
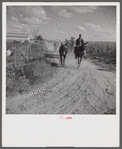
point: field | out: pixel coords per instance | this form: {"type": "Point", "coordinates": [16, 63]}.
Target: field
{"type": "Point", "coordinates": [28, 65]}
{"type": "Point", "coordinates": [103, 53]}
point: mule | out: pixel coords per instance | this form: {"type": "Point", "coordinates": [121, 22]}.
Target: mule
{"type": "Point", "coordinates": [63, 50]}
{"type": "Point", "coordinates": [79, 52]}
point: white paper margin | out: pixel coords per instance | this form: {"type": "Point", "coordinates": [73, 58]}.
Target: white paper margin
{"type": "Point", "coordinates": [49, 130]}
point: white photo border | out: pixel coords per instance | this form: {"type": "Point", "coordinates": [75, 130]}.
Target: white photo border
{"type": "Point", "coordinates": [49, 130]}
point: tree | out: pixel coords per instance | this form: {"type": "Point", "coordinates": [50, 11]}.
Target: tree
{"type": "Point", "coordinates": [39, 37]}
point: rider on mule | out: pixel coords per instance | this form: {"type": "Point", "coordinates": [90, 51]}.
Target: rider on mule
{"type": "Point", "coordinates": [66, 42]}
{"type": "Point", "coordinates": [79, 42]}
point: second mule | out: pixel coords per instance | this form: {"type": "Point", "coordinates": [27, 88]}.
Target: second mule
{"type": "Point", "coordinates": [63, 50]}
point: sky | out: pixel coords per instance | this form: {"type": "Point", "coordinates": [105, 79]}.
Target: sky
{"type": "Point", "coordinates": [94, 23]}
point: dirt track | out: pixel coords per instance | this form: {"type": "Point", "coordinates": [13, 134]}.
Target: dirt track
{"type": "Point", "coordinates": [87, 90]}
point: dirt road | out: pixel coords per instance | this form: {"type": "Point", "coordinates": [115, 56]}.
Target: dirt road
{"type": "Point", "coordinates": [87, 90]}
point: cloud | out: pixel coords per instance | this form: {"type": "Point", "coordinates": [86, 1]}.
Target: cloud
{"type": "Point", "coordinates": [62, 11]}
{"type": "Point", "coordinates": [25, 18]}
{"type": "Point", "coordinates": [98, 28]}
{"type": "Point", "coordinates": [101, 33]}
{"type": "Point", "coordinates": [18, 27]}
{"type": "Point", "coordinates": [69, 11]}
{"type": "Point", "coordinates": [59, 32]}
{"type": "Point", "coordinates": [26, 11]}
{"type": "Point", "coordinates": [83, 9]}
{"type": "Point", "coordinates": [80, 28]}
{"type": "Point", "coordinates": [32, 20]}
{"type": "Point", "coordinates": [94, 27]}
{"type": "Point", "coordinates": [62, 32]}
{"type": "Point", "coordinates": [56, 18]}
{"type": "Point", "coordinates": [32, 11]}
{"type": "Point", "coordinates": [15, 19]}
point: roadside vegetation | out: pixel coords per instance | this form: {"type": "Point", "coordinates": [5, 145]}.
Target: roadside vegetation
{"type": "Point", "coordinates": [27, 66]}
{"type": "Point", "coordinates": [103, 54]}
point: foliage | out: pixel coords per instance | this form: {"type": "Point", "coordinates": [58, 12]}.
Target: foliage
{"type": "Point", "coordinates": [39, 37]}
{"type": "Point", "coordinates": [27, 67]}
{"type": "Point", "coordinates": [102, 51]}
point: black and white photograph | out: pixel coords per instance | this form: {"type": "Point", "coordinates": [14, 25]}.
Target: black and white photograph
{"type": "Point", "coordinates": [61, 59]}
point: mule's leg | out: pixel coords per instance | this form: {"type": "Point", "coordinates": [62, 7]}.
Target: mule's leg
{"type": "Point", "coordinates": [61, 59]}
{"type": "Point", "coordinates": [78, 61]}
{"type": "Point", "coordinates": [64, 60]}
{"type": "Point", "coordinates": [85, 55]}
{"type": "Point", "coordinates": [81, 58]}
{"type": "Point", "coordinates": [76, 57]}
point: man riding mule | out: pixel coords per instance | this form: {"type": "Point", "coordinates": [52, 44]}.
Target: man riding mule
{"type": "Point", "coordinates": [79, 49]}
{"type": "Point", "coordinates": [66, 42]}
{"type": "Point", "coordinates": [71, 46]}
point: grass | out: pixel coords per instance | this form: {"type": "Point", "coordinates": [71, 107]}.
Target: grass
{"type": "Point", "coordinates": [27, 67]}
